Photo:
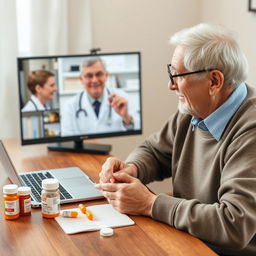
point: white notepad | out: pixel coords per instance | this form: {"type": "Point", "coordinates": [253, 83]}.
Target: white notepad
{"type": "Point", "coordinates": [104, 215]}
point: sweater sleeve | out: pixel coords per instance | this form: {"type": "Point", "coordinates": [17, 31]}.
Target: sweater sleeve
{"type": "Point", "coordinates": [153, 157]}
{"type": "Point", "coordinates": [229, 223]}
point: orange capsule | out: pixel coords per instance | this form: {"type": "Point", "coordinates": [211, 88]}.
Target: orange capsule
{"type": "Point", "coordinates": [89, 215]}
{"type": "Point", "coordinates": [82, 208]}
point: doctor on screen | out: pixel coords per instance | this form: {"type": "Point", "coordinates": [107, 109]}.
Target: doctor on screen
{"type": "Point", "coordinates": [97, 108]}
{"type": "Point", "coordinates": [41, 84]}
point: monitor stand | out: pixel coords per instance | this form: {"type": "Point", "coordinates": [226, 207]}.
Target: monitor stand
{"type": "Point", "coordinates": [80, 147]}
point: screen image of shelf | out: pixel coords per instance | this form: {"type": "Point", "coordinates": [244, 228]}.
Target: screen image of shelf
{"type": "Point", "coordinates": [77, 97]}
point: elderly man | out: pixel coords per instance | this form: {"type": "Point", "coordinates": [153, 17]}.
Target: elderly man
{"type": "Point", "coordinates": [207, 147]}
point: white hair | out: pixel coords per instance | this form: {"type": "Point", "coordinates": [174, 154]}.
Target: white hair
{"type": "Point", "coordinates": [213, 46]}
{"type": "Point", "coordinates": [89, 61]}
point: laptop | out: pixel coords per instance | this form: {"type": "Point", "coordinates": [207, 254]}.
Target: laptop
{"type": "Point", "coordinates": [75, 185]}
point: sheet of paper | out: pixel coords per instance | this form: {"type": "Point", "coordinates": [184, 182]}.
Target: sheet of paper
{"type": "Point", "coordinates": [104, 216]}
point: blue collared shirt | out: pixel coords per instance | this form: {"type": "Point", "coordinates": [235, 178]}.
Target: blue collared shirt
{"type": "Point", "coordinates": [217, 121]}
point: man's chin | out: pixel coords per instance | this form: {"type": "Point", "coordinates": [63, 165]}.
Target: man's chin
{"type": "Point", "coordinates": [95, 93]}
{"type": "Point", "coordinates": [95, 96]}
{"type": "Point", "coordinates": [183, 109]}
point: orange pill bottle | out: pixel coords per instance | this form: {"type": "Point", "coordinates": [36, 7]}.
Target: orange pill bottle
{"type": "Point", "coordinates": [24, 200]}
{"type": "Point", "coordinates": [11, 202]}
{"type": "Point", "coordinates": [50, 198]}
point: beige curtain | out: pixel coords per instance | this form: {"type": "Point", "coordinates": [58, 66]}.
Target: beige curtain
{"type": "Point", "coordinates": [36, 28]}
{"type": "Point", "coordinates": [53, 27]}
{"type": "Point", "coordinates": [8, 74]}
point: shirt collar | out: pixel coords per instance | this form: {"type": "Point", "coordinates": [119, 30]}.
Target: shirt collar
{"type": "Point", "coordinates": [216, 122]}
{"type": "Point", "coordinates": [92, 100]}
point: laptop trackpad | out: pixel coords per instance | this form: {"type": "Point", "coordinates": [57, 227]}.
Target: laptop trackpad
{"type": "Point", "coordinates": [80, 187]}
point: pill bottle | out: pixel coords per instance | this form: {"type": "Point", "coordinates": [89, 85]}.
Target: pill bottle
{"type": "Point", "coordinates": [11, 202]}
{"type": "Point", "coordinates": [25, 200]}
{"type": "Point", "coordinates": [50, 198]}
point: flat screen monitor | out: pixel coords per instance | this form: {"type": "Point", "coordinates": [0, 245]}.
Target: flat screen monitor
{"type": "Point", "coordinates": [67, 99]}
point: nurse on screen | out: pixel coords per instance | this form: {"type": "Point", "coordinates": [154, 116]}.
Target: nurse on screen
{"type": "Point", "coordinates": [97, 108]}
{"type": "Point", "coordinates": [41, 84]}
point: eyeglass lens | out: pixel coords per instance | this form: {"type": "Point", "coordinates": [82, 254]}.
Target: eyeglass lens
{"type": "Point", "coordinates": [91, 75]}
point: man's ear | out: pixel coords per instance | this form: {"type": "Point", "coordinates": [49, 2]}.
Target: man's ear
{"type": "Point", "coordinates": [217, 81]}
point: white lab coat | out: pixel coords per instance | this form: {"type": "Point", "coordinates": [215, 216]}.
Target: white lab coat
{"type": "Point", "coordinates": [37, 106]}
{"type": "Point", "coordinates": [89, 124]}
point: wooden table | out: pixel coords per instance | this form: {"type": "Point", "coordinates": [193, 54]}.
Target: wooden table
{"type": "Point", "coordinates": [35, 235]}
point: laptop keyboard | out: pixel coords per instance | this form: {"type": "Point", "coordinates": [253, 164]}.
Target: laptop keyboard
{"type": "Point", "coordinates": [34, 181]}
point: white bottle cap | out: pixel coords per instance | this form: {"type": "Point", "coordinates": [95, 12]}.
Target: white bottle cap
{"type": "Point", "coordinates": [24, 191]}
{"type": "Point", "coordinates": [106, 232]}
{"type": "Point", "coordinates": [50, 184]}
{"type": "Point", "coordinates": [10, 189]}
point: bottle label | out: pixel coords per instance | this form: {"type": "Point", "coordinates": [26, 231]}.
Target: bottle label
{"type": "Point", "coordinates": [11, 207]}
{"type": "Point", "coordinates": [27, 205]}
{"type": "Point", "coordinates": [50, 205]}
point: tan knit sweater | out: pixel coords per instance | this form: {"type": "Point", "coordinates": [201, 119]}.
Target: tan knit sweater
{"type": "Point", "coordinates": [214, 182]}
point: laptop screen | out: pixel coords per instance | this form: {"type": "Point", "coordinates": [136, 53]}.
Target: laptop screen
{"type": "Point", "coordinates": [7, 167]}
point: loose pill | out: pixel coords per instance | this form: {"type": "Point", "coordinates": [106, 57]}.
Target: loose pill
{"type": "Point", "coordinates": [82, 208]}
{"type": "Point", "coordinates": [69, 214]}
{"type": "Point", "coordinates": [106, 232]}
{"type": "Point", "coordinates": [89, 215]}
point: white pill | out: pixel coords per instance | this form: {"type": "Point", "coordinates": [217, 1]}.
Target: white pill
{"type": "Point", "coordinates": [106, 232]}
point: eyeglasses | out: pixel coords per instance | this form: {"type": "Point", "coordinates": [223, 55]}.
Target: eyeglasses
{"type": "Point", "coordinates": [185, 74]}
{"type": "Point", "coordinates": [99, 74]}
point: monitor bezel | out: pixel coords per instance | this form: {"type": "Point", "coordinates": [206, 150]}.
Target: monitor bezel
{"type": "Point", "coordinates": [82, 136]}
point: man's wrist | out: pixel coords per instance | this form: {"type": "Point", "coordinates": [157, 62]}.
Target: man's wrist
{"type": "Point", "coordinates": [133, 170]}
{"type": "Point", "coordinates": [149, 208]}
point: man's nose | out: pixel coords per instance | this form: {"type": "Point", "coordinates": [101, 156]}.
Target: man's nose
{"type": "Point", "coordinates": [94, 78]}
{"type": "Point", "coordinates": [172, 86]}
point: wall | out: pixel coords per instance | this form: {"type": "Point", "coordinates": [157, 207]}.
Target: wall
{"type": "Point", "coordinates": [79, 26]}
{"type": "Point", "coordinates": [234, 14]}
{"type": "Point", "coordinates": [145, 26]}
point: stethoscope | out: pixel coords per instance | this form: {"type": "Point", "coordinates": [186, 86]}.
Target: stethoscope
{"type": "Point", "coordinates": [36, 109]}
{"type": "Point", "coordinates": [82, 110]}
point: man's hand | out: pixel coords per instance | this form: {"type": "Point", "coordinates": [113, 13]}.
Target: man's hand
{"type": "Point", "coordinates": [129, 195]}
{"type": "Point", "coordinates": [113, 165]}
{"type": "Point", "coordinates": [120, 105]}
